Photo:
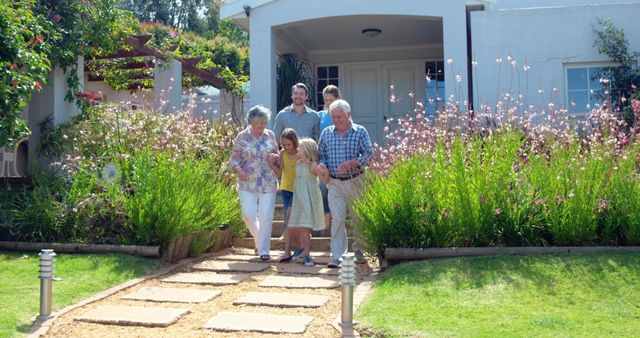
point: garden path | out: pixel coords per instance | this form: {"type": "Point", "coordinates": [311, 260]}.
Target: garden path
{"type": "Point", "coordinates": [232, 293]}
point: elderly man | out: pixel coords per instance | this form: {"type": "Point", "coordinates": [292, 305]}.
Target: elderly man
{"type": "Point", "coordinates": [344, 150]}
{"type": "Point", "coordinates": [304, 120]}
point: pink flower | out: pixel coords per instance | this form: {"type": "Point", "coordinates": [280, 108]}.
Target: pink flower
{"type": "Point", "coordinates": [37, 86]}
{"type": "Point", "coordinates": [56, 17]}
{"type": "Point", "coordinates": [497, 212]}
{"type": "Point", "coordinates": [635, 104]}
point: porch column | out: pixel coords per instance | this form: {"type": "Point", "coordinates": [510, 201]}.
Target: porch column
{"type": "Point", "coordinates": [50, 105]}
{"type": "Point", "coordinates": [167, 88]}
{"type": "Point", "coordinates": [263, 64]}
{"type": "Point", "coordinates": [455, 48]}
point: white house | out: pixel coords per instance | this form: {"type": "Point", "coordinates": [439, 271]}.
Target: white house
{"type": "Point", "coordinates": [429, 49]}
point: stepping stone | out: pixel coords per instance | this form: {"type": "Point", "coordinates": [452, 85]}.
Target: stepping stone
{"type": "Point", "coordinates": [245, 258]}
{"type": "Point", "coordinates": [249, 252]}
{"type": "Point", "coordinates": [133, 315]}
{"type": "Point", "coordinates": [231, 266]}
{"type": "Point", "coordinates": [257, 322]}
{"type": "Point", "coordinates": [282, 299]}
{"type": "Point", "coordinates": [205, 278]}
{"type": "Point", "coordinates": [300, 282]}
{"type": "Point", "coordinates": [310, 270]}
{"type": "Point", "coordinates": [173, 295]}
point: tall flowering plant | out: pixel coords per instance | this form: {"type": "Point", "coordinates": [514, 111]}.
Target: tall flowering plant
{"type": "Point", "coordinates": [506, 174]}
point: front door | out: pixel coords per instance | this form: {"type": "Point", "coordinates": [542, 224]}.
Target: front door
{"type": "Point", "coordinates": [378, 91]}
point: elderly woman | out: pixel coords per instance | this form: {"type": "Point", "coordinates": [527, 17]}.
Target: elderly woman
{"type": "Point", "coordinates": [253, 159]}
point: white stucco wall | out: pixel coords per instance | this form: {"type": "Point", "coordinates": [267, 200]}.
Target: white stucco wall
{"type": "Point", "coordinates": [265, 17]}
{"type": "Point", "coordinates": [138, 97]}
{"type": "Point", "coordinates": [514, 4]}
{"type": "Point", "coordinates": [547, 39]}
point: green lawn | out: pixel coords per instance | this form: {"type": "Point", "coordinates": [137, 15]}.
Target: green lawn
{"type": "Point", "coordinates": [514, 296]}
{"type": "Point", "coordinates": [82, 276]}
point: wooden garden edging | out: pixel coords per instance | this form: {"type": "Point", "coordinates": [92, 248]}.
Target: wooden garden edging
{"type": "Point", "coordinates": [407, 254]}
{"type": "Point", "coordinates": [145, 251]}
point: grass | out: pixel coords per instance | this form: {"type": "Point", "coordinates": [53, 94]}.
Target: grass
{"type": "Point", "coordinates": [82, 275]}
{"type": "Point", "coordinates": [563, 295]}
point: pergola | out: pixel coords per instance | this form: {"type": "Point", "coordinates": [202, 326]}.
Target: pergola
{"type": "Point", "coordinates": [138, 48]}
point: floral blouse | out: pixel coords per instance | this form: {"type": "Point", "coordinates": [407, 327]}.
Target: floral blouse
{"type": "Point", "coordinates": [252, 155]}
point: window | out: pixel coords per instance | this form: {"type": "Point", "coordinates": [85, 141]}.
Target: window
{"type": "Point", "coordinates": [434, 83]}
{"type": "Point", "coordinates": [326, 75]}
{"type": "Point", "coordinates": [586, 87]}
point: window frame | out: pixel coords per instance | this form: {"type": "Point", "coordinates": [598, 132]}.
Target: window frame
{"type": "Point", "coordinates": [583, 65]}
{"type": "Point", "coordinates": [328, 78]}
{"type": "Point", "coordinates": [443, 100]}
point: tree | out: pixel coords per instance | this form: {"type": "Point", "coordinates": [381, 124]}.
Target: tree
{"type": "Point", "coordinates": [625, 76]}
{"type": "Point", "coordinates": [233, 32]}
{"type": "Point", "coordinates": [36, 35]}
{"type": "Point", "coordinates": [198, 16]}
{"type": "Point", "coordinates": [24, 63]}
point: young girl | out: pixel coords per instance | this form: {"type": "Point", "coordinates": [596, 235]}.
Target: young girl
{"type": "Point", "coordinates": [307, 213]}
{"type": "Point", "coordinates": [288, 159]}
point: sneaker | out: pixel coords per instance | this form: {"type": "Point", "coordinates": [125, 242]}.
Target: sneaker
{"type": "Point", "coordinates": [308, 261]}
{"type": "Point", "coordinates": [359, 257]}
{"type": "Point", "coordinates": [334, 264]}
{"type": "Point", "coordinates": [296, 253]}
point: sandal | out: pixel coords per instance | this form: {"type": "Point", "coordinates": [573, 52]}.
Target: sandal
{"type": "Point", "coordinates": [286, 259]}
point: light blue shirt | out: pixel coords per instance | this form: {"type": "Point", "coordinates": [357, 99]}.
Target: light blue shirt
{"type": "Point", "coordinates": [325, 119]}
{"type": "Point", "coordinates": [305, 123]}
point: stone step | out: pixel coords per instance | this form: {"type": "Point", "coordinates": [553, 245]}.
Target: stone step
{"type": "Point", "coordinates": [229, 266]}
{"type": "Point", "coordinates": [277, 229]}
{"type": "Point", "coordinates": [317, 243]}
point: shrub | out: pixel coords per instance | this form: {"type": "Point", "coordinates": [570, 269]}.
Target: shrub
{"type": "Point", "coordinates": [173, 198]}
{"type": "Point", "coordinates": [503, 180]}
{"type": "Point", "coordinates": [38, 213]}
{"type": "Point", "coordinates": [129, 177]}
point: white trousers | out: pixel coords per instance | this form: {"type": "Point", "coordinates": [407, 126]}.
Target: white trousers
{"type": "Point", "coordinates": [257, 213]}
{"type": "Point", "coordinates": [341, 197]}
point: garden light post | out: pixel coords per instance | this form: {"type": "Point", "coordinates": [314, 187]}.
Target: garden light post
{"type": "Point", "coordinates": [46, 280]}
{"type": "Point", "coordinates": [347, 282]}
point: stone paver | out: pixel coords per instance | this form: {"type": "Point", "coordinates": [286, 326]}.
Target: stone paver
{"type": "Point", "coordinates": [257, 322]}
{"type": "Point", "coordinates": [245, 258]}
{"type": "Point", "coordinates": [231, 266]}
{"type": "Point", "coordinates": [173, 295]}
{"type": "Point", "coordinates": [133, 315]}
{"type": "Point", "coordinates": [305, 282]}
{"type": "Point", "coordinates": [310, 270]}
{"type": "Point", "coordinates": [206, 278]}
{"type": "Point", "coordinates": [282, 299]}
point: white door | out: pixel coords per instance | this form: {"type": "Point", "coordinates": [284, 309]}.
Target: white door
{"type": "Point", "coordinates": [363, 92]}
{"type": "Point", "coordinates": [368, 88]}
